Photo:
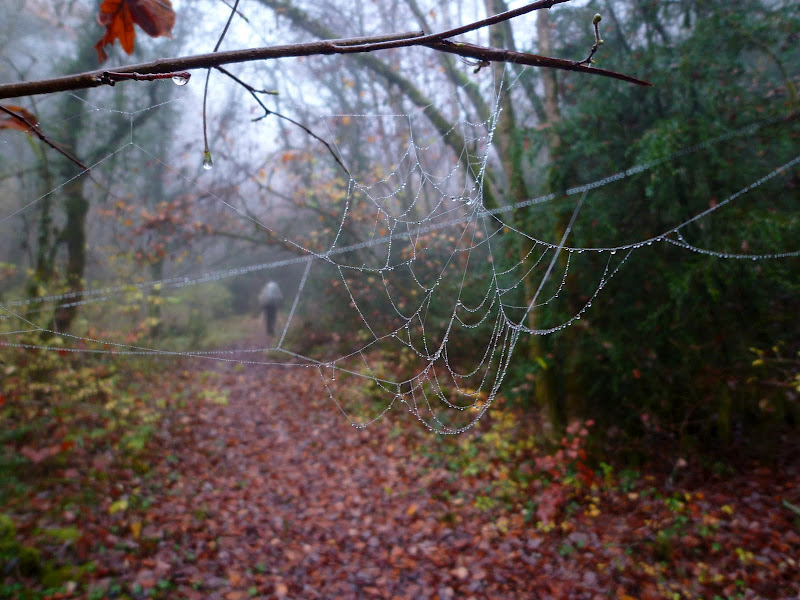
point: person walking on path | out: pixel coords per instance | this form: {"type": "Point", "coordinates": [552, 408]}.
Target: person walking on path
{"type": "Point", "coordinates": [270, 299]}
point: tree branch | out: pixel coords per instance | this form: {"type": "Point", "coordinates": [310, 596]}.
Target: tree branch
{"type": "Point", "coordinates": [436, 41]}
{"type": "Point", "coordinates": [253, 92]}
{"type": "Point", "coordinates": [91, 79]}
{"type": "Point", "coordinates": [33, 128]}
{"type": "Point", "coordinates": [483, 53]}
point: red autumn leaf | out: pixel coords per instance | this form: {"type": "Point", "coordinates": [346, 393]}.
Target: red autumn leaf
{"type": "Point", "coordinates": [37, 455]}
{"type": "Point", "coordinates": [7, 121]}
{"type": "Point", "coordinates": [155, 17]}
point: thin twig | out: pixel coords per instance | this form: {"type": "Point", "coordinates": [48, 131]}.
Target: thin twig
{"type": "Point", "coordinates": [424, 40]}
{"type": "Point", "coordinates": [228, 24]}
{"type": "Point", "coordinates": [253, 91]}
{"type": "Point", "coordinates": [597, 41]}
{"type": "Point", "coordinates": [238, 12]}
{"type": "Point", "coordinates": [207, 162]}
{"type": "Point", "coordinates": [112, 77]}
{"type": "Point", "coordinates": [249, 87]}
{"type": "Point", "coordinates": [33, 128]}
{"type": "Point", "coordinates": [314, 135]}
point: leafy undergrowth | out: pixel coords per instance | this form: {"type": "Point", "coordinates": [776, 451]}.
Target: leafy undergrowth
{"type": "Point", "coordinates": [72, 431]}
{"type": "Point", "coordinates": [253, 485]}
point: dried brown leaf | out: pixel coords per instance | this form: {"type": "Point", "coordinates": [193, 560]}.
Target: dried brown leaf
{"type": "Point", "coordinates": [155, 17]}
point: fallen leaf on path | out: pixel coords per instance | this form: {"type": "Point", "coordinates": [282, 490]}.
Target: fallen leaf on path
{"type": "Point", "coordinates": [119, 505]}
{"type": "Point", "coordinates": [136, 529]}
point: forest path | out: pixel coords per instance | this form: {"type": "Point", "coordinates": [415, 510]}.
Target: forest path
{"type": "Point", "coordinates": [263, 489]}
{"type": "Point", "coordinates": [256, 486]}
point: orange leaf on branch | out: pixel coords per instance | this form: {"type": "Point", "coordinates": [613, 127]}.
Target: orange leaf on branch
{"type": "Point", "coordinates": [155, 17]}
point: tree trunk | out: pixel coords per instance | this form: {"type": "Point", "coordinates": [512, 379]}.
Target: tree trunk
{"type": "Point", "coordinates": [547, 393]}
{"type": "Point", "coordinates": [551, 110]}
{"type": "Point", "coordinates": [509, 148]}
{"type": "Point", "coordinates": [74, 237]}
{"type": "Point", "coordinates": [45, 243]}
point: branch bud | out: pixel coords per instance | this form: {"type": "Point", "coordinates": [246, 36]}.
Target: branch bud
{"type": "Point", "coordinates": [597, 18]}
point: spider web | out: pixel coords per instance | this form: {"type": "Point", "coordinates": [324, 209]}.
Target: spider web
{"type": "Point", "coordinates": [414, 263]}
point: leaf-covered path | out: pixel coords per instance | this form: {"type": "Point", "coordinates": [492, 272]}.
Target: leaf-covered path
{"type": "Point", "coordinates": [260, 488]}
{"type": "Point", "coordinates": [253, 485]}
{"type": "Point", "coordinates": [265, 490]}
